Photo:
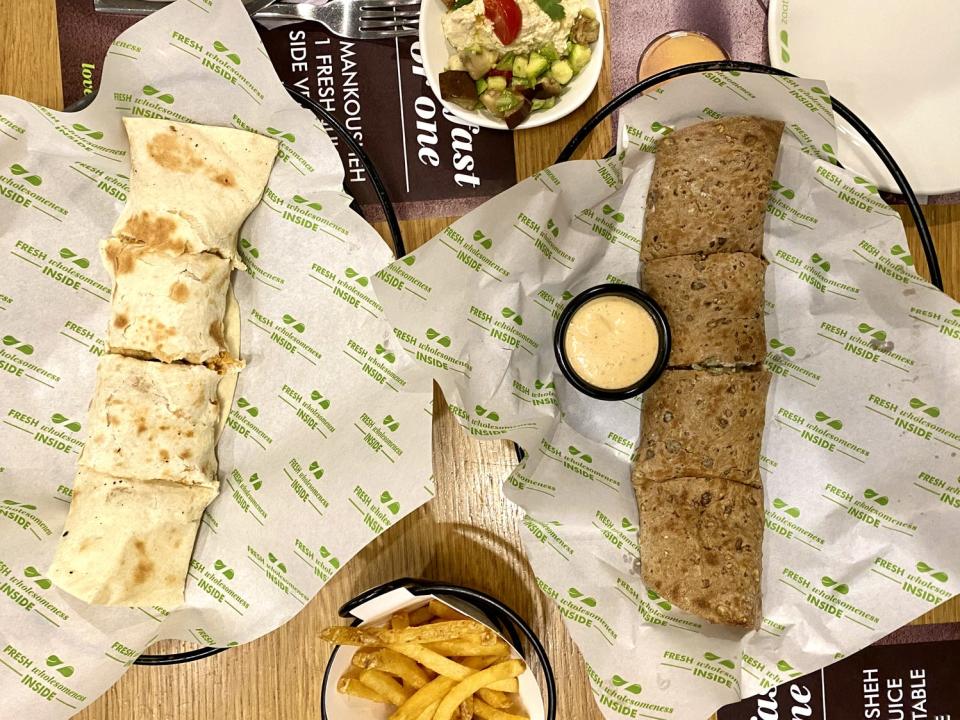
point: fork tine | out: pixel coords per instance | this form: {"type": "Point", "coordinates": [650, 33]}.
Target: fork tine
{"type": "Point", "coordinates": [380, 4]}
{"type": "Point", "coordinates": [382, 35]}
{"type": "Point", "coordinates": [386, 25]}
{"type": "Point", "coordinates": [396, 13]}
{"type": "Point", "coordinates": [393, 19]}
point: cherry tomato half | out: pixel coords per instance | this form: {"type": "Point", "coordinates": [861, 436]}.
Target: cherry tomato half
{"type": "Point", "coordinates": [506, 18]}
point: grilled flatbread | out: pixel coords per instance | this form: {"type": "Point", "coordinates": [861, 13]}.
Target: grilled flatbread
{"type": "Point", "coordinates": [167, 308]}
{"type": "Point", "coordinates": [152, 421]}
{"type": "Point", "coordinates": [212, 176]}
{"type": "Point", "coordinates": [698, 423]}
{"type": "Point", "coordinates": [714, 305]}
{"type": "Point", "coordinates": [128, 542]}
{"type": "Point", "coordinates": [701, 541]}
{"type": "Point", "coordinates": [710, 187]}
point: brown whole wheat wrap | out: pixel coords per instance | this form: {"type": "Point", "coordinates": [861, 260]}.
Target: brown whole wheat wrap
{"type": "Point", "coordinates": [710, 186]}
{"type": "Point", "coordinates": [696, 470]}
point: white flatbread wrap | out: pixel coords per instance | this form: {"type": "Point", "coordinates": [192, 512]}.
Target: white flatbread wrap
{"type": "Point", "coordinates": [128, 542]}
{"type": "Point", "coordinates": [153, 421]}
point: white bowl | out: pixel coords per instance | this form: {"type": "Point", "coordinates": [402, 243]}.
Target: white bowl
{"type": "Point", "coordinates": [435, 52]}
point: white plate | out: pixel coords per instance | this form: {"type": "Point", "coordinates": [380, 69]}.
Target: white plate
{"type": "Point", "coordinates": [435, 52]}
{"type": "Point", "coordinates": [896, 64]}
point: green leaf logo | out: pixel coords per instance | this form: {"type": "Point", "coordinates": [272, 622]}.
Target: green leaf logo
{"type": "Point", "coordinates": [54, 662]}
{"type": "Point", "coordinates": [830, 152]}
{"type": "Point", "coordinates": [552, 227]}
{"type": "Point", "coordinates": [385, 354]}
{"type": "Point", "coordinates": [784, 666]}
{"type": "Point", "coordinates": [328, 556]}
{"type": "Point", "coordinates": [409, 260]}
{"type": "Point", "coordinates": [784, 191]}
{"type": "Point", "coordinates": [783, 347]}
{"type": "Point", "coordinates": [511, 313]}
{"type": "Point", "coordinates": [566, 295]}
{"type": "Point", "coordinates": [660, 128]}
{"type": "Point", "coordinates": [220, 47]}
{"type": "Point", "coordinates": [829, 582]}
{"type": "Point", "coordinates": [902, 254]}
{"type": "Point", "coordinates": [784, 44]}
{"type": "Point", "coordinates": [92, 134]}
{"type": "Point", "coordinates": [817, 260]}
{"type": "Point", "coordinates": [318, 398]}
{"type": "Point", "coordinates": [575, 452]}
{"type": "Point", "coordinates": [255, 481]}
{"type": "Point", "coordinates": [162, 97]}
{"type": "Point", "coordinates": [628, 526]}
{"type": "Point", "coordinates": [14, 503]}
{"type": "Point", "coordinates": [661, 603]}
{"type": "Point", "coordinates": [918, 404]}
{"type": "Point", "coordinates": [540, 385]}
{"type": "Point", "coordinates": [823, 94]}
{"type": "Point", "coordinates": [31, 572]}
{"type": "Point", "coordinates": [955, 312]}
{"type": "Point", "coordinates": [72, 425]}
{"type": "Point", "coordinates": [250, 249]}
{"type": "Point", "coordinates": [781, 504]}
{"type": "Point", "coordinates": [11, 341]}
{"type": "Point", "coordinates": [387, 499]}
{"type": "Point", "coordinates": [611, 212]}
{"type": "Point", "coordinates": [316, 470]}
{"type": "Point", "coordinates": [625, 685]}
{"type": "Point", "coordinates": [68, 254]}
{"type": "Point", "coordinates": [824, 418]}
{"type": "Point", "coordinates": [869, 187]}
{"type": "Point", "coordinates": [489, 414]}
{"type": "Point", "coordinates": [294, 323]}
{"type": "Point", "coordinates": [441, 339]}
{"type": "Point", "coordinates": [359, 279]}
{"type": "Point", "coordinates": [939, 575]}
{"type": "Point", "coordinates": [288, 136]}
{"type": "Point", "coordinates": [584, 599]}
{"type": "Point", "coordinates": [865, 329]}
{"type": "Point", "coordinates": [871, 494]}
{"type": "Point", "coordinates": [301, 200]}
{"type": "Point", "coordinates": [221, 566]}
{"type": "Point", "coordinates": [243, 403]}
{"type": "Point", "coordinates": [713, 657]}
{"type": "Point", "coordinates": [485, 242]}
{"type": "Point", "coordinates": [26, 175]}
{"type": "Point", "coordinates": [391, 424]}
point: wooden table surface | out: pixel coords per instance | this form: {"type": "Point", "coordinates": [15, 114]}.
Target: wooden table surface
{"type": "Point", "coordinates": [467, 535]}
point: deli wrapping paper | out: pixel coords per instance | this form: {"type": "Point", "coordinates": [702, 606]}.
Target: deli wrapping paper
{"type": "Point", "coordinates": [328, 441]}
{"type": "Point", "coordinates": [863, 419]}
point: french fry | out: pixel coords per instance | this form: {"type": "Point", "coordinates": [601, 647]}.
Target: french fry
{"type": "Point", "coordinates": [485, 712]}
{"type": "Point", "coordinates": [352, 686]}
{"type": "Point", "coordinates": [479, 662]}
{"type": "Point", "coordinates": [385, 686]}
{"type": "Point", "coordinates": [444, 611]}
{"type": "Point", "coordinates": [466, 709]}
{"type": "Point", "coordinates": [469, 645]}
{"type": "Point", "coordinates": [400, 620]}
{"type": "Point", "coordinates": [429, 695]}
{"type": "Point", "coordinates": [428, 713]}
{"type": "Point", "coordinates": [445, 666]}
{"type": "Point", "coordinates": [421, 616]}
{"type": "Point", "coordinates": [436, 632]}
{"type": "Point", "coordinates": [494, 698]}
{"type": "Point", "coordinates": [475, 682]}
{"type": "Point", "coordinates": [348, 636]}
{"type": "Point", "coordinates": [392, 662]}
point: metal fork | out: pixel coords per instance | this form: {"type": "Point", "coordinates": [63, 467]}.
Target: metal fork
{"type": "Point", "coordinates": [356, 19]}
{"type": "Point", "coordinates": [148, 7]}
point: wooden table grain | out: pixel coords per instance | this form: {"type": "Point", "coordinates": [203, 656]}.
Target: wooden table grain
{"type": "Point", "coordinates": [469, 534]}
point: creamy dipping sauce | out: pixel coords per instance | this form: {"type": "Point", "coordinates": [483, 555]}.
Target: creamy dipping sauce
{"type": "Point", "coordinates": [680, 47]}
{"type": "Point", "coordinates": [611, 342]}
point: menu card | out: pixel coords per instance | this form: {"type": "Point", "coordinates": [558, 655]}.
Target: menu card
{"type": "Point", "coordinates": [433, 164]}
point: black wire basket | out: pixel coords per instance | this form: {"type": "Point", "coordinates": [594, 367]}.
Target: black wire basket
{"type": "Point", "coordinates": [383, 198]}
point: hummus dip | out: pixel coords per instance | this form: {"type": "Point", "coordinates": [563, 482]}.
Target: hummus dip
{"type": "Point", "coordinates": [468, 26]}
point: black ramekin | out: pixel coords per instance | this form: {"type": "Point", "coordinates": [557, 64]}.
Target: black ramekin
{"type": "Point", "coordinates": [659, 320]}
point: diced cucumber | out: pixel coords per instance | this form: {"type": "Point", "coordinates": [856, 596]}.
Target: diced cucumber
{"type": "Point", "coordinates": [520, 66]}
{"type": "Point", "coordinates": [579, 57]}
{"type": "Point", "coordinates": [561, 72]}
{"type": "Point", "coordinates": [537, 65]}
{"type": "Point", "coordinates": [506, 62]}
{"type": "Point", "coordinates": [481, 85]}
{"type": "Point", "coordinates": [507, 101]}
{"type": "Point", "coordinates": [550, 52]}
{"type": "Point", "coordinates": [544, 104]}
{"type": "Point", "coordinates": [497, 83]}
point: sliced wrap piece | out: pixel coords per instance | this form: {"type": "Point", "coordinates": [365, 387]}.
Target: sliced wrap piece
{"type": "Point", "coordinates": [201, 180]}
{"type": "Point", "coordinates": [698, 423]}
{"type": "Point", "coordinates": [168, 308]}
{"type": "Point", "coordinates": [153, 421]}
{"type": "Point", "coordinates": [710, 186]}
{"type": "Point", "coordinates": [714, 305]}
{"type": "Point", "coordinates": [700, 546]}
{"type": "Point", "coordinates": [128, 542]}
